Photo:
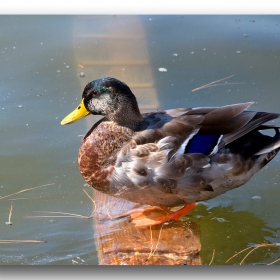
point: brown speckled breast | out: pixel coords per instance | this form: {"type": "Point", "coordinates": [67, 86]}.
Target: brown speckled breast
{"type": "Point", "coordinates": [97, 153]}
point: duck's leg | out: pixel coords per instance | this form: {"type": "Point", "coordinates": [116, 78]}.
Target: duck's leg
{"type": "Point", "coordinates": [157, 215]}
{"type": "Point", "coordinates": [182, 212]}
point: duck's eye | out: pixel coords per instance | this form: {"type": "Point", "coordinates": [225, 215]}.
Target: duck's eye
{"type": "Point", "coordinates": [79, 107]}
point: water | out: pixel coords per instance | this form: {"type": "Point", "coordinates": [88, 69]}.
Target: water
{"type": "Point", "coordinates": [41, 83]}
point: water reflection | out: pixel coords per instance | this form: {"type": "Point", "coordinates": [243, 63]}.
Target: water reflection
{"type": "Point", "coordinates": [228, 232]}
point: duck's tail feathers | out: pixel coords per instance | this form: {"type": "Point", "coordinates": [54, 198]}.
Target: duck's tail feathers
{"type": "Point", "coordinates": [272, 146]}
{"type": "Point", "coordinates": [256, 122]}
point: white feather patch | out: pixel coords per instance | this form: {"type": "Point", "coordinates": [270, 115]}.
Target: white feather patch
{"type": "Point", "coordinates": [181, 149]}
{"type": "Point", "coordinates": [215, 149]}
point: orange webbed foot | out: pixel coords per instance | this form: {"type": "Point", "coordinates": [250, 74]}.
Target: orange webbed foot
{"type": "Point", "coordinates": [155, 215]}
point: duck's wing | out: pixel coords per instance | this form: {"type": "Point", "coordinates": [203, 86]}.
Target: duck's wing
{"type": "Point", "coordinates": [199, 130]}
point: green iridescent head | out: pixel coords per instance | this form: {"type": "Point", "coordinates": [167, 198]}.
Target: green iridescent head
{"type": "Point", "coordinates": [108, 97]}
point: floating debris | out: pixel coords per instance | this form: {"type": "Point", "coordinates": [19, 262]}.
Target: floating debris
{"type": "Point", "coordinates": [219, 219]}
{"type": "Point", "coordinates": [245, 35]}
{"type": "Point", "coordinates": [238, 51]}
{"type": "Point", "coordinates": [256, 197]}
{"type": "Point", "coordinates": [174, 54]}
{"type": "Point", "coordinates": [82, 74]}
{"type": "Point", "coordinates": [161, 69]}
{"type": "Point", "coordinates": [20, 106]}
{"type": "Point", "coordinates": [80, 259]}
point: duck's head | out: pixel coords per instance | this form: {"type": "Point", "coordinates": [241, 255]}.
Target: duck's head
{"type": "Point", "coordinates": [110, 98]}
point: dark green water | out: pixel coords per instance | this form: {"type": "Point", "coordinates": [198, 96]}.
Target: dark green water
{"type": "Point", "coordinates": [39, 86]}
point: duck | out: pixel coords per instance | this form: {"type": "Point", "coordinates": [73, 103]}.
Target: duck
{"type": "Point", "coordinates": [168, 158]}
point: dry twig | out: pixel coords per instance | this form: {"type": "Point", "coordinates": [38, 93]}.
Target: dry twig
{"type": "Point", "coordinates": [277, 260]}
{"type": "Point", "coordinates": [66, 215]}
{"type": "Point", "coordinates": [24, 198]}
{"type": "Point", "coordinates": [253, 249]}
{"type": "Point", "coordinates": [212, 257]}
{"type": "Point", "coordinates": [27, 190]}
{"type": "Point", "coordinates": [213, 84]}
{"type": "Point", "coordinates": [20, 241]}
{"type": "Point", "coordinates": [152, 252]}
{"type": "Point", "coordinates": [91, 200]}
{"type": "Point", "coordinates": [10, 215]}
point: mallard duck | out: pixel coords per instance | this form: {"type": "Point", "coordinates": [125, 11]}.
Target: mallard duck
{"type": "Point", "coordinates": [168, 158]}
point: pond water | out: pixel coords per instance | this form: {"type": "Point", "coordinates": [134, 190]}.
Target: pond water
{"type": "Point", "coordinates": [41, 82]}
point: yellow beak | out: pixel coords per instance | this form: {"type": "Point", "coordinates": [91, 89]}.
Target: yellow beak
{"type": "Point", "coordinates": [77, 114]}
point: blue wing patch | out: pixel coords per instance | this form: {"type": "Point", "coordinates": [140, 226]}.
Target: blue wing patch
{"type": "Point", "coordinates": [202, 143]}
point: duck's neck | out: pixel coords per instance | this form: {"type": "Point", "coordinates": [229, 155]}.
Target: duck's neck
{"type": "Point", "coordinates": [132, 122]}
{"type": "Point", "coordinates": [127, 115]}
